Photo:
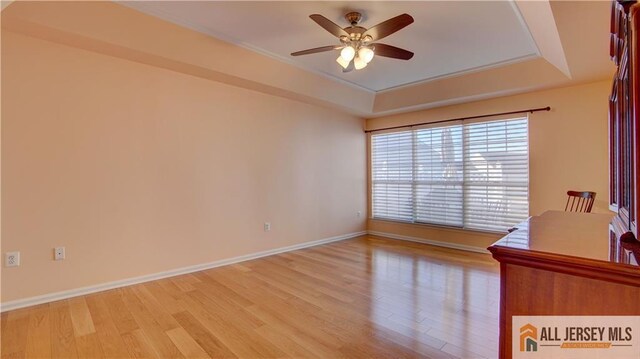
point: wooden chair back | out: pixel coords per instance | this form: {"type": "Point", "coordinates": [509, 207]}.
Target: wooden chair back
{"type": "Point", "coordinates": [579, 201]}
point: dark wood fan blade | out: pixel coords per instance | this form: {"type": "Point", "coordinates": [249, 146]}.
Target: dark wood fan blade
{"type": "Point", "coordinates": [390, 26]}
{"type": "Point", "coordinates": [328, 25]}
{"type": "Point", "coordinates": [392, 51]}
{"type": "Point", "coordinates": [349, 68]}
{"type": "Point", "coordinates": [315, 50]}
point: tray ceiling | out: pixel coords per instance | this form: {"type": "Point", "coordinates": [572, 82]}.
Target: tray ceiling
{"type": "Point", "coordinates": [447, 37]}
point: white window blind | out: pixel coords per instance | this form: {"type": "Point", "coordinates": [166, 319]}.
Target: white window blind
{"type": "Point", "coordinates": [496, 176]}
{"type": "Point", "coordinates": [392, 175]}
{"type": "Point", "coordinates": [438, 169]}
{"type": "Point", "coordinates": [464, 175]}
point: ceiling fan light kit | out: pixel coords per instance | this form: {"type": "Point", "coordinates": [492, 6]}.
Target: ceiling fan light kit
{"type": "Point", "coordinates": [357, 49]}
{"type": "Point", "coordinates": [360, 58]}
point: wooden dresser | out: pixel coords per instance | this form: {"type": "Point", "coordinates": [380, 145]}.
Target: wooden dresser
{"type": "Point", "coordinates": [563, 263]}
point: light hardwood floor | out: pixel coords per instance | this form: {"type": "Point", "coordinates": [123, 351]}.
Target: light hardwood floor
{"type": "Point", "coordinates": [365, 297]}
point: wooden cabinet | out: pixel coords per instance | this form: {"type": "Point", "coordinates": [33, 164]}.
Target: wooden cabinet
{"type": "Point", "coordinates": [624, 112]}
{"type": "Point", "coordinates": [585, 264]}
{"type": "Point", "coordinates": [564, 263]}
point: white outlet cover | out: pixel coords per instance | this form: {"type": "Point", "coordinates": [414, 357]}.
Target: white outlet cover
{"type": "Point", "coordinates": [58, 253]}
{"type": "Point", "coordinates": [267, 226]}
{"type": "Point", "coordinates": [12, 259]}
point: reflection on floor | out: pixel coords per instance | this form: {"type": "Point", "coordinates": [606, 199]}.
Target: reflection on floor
{"type": "Point", "coordinates": [364, 297]}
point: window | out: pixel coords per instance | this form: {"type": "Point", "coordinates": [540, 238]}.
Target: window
{"type": "Point", "coordinates": [463, 175]}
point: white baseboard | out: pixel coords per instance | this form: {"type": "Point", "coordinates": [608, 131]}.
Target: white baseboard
{"type": "Point", "coordinates": [27, 302]}
{"type": "Point", "coordinates": [462, 247]}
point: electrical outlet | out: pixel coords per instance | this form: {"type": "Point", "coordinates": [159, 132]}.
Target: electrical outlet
{"type": "Point", "coordinates": [359, 214]}
{"type": "Point", "coordinates": [267, 226]}
{"type": "Point", "coordinates": [12, 259]}
{"type": "Point", "coordinates": [58, 253]}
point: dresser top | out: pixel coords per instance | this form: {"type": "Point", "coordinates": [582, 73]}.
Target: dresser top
{"type": "Point", "coordinates": [572, 243]}
{"type": "Point", "coordinates": [584, 235]}
{"type": "Point", "coordinates": [580, 235]}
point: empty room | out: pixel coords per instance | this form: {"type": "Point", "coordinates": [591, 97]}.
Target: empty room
{"type": "Point", "coordinates": [320, 179]}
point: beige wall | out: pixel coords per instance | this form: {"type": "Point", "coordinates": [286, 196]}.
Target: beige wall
{"type": "Point", "coordinates": [116, 30]}
{"type": "Point", "coordinates": [568, 150]}
{"type": "Point", "coordinates": [138, 170]}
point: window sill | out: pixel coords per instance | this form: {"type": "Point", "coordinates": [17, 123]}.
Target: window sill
{"type": "Point", "coordinates": [441, 227]}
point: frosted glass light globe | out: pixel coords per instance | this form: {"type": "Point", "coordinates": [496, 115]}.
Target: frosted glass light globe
{"type": "Point", "coordinates": [348, 53]}
{"type": "Point", "coordinates": [342, 62]}
{"type": "Point", "coordinates": [359, 63]}
{"type": "Point", "coordinates": [366, 54]}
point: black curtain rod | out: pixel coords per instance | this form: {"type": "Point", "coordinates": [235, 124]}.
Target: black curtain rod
{"type": "Point", "coordinates": [531, 110]}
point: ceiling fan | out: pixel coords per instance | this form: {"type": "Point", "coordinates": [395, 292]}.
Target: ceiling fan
{"type": "Point", "coordinates": [356, 42]}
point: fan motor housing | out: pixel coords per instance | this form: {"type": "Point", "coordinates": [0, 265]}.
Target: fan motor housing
{"type": "Point", "coordinates": [355, 32]}
{"type": "Point", "coordinates": [353, 17]}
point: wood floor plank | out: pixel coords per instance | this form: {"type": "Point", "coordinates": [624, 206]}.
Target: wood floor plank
{"type": "Point", "coordinates": [122, 318]}
{"type": "Point", "coordinates": [183, 282]}
{"type": "Point", "coordinates": [111, 342]}
{"type": "Point", "coordinates": [312, 338]}
{"type": "Point", "coordinates": [39, 339]}
{"type": "Point", "coordinates": [152, 330]}
{"type": "Point", "coordinates": [3, 322]}
{"type": "Point", "coordinates": [88, 346]}
{"type": "Point", "coordinates": [153, 306]}
{"type": "Point", "coordinates": [225, 311]}
{"type": "Point", "coordinates": [219, 303]}
{"type": "Point", "coordinates": [81, 317]}
{"type": "Point", "coordinates": [205, 339]}
{"type": "Point", "coordinates": [302, 315]}
{"type": "Point", "coordinates": [170, 288]}
{"type": "Point", "coordinates": [138, 345]}
{"type": "Point", "coordinates": [409, 341]}
{"type": "Point", "coordinates": [379, 349]}
{"type": "Point", "coordinates": [238, 336]}
{"type": "Point", "coordinates": [286, 343]}
{"type": "Point", "coordinates": [63, 343]}
{"type": "Point", "coordinates": [282, 314]}
{"type": "Point", "coordinates": [186, 344]}
{"type": "Point", "coordinates": [170, 303]}
{"type": "Point", "coordinates": [14, 355]}
{"type": "Point", "coordinates": [331, 274]}
{"type": "Point", "coordinates": [367, 297]}
{"type": "Point", "coordinates": [467, 339]}
{"type": "Point", "coordinates": [247, 286]}
{"type": "Point", "coordinates": [240, 267]}
{"type": "Point", "coordinates": [325, 287]}
{"type": "Point", "coordinates": [415, 330]}
{"type": "Point", "coordinates": [466, 352]}
{"type": "Point", "coordinates": [211, 284]}
{"type": "Point", "coordinates": [14, 341]}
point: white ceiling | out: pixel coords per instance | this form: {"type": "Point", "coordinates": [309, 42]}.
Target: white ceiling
{"type": "Point", "coordinates": [447, 37]}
